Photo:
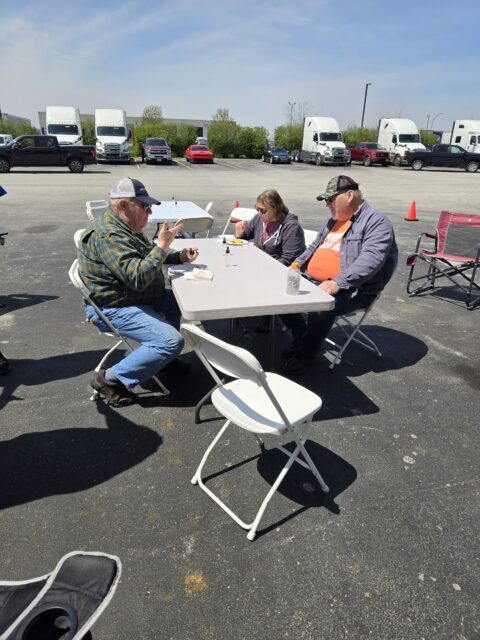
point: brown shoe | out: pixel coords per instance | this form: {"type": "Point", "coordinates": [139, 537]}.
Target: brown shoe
{"type": "Point", "coordinates": [117, 394]}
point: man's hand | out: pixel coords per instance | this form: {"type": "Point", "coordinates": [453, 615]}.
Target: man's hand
{"type": "Point", "coordinates": [240, 228]}
{"type": "Point", "coordinates": [189, 254]}
{"type": "Point", "coordinates": [167, 236]}
{"type": "Point", "coordinates": [329, 286]}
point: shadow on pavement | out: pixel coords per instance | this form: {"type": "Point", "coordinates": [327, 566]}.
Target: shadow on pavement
{"type": "Point", "coordinates": [71, 459]}
{"type": "Point", "coordinates": [30, 372]}
{"type": "Point", "coordinates": [399, 350]}
{"type": "Point", "coordinates": [16, 301]}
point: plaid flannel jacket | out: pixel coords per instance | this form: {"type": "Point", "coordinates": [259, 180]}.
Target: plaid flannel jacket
{"type": "Point", "coordinates": [120, 267]}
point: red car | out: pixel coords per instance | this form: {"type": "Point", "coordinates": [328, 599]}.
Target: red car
{"type": "Point", "coordinates": [369, 153]}
{"type": "Point", "coordinates": [198, 153]}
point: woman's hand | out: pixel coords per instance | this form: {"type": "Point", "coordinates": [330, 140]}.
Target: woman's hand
{"type": "Point", "coordinates": [240, 228]}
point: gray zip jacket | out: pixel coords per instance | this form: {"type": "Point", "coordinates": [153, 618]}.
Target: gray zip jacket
{"type": "Point", "coordinates": [284, 244]}
{"type": "Point", "coordinates": [368, 252]}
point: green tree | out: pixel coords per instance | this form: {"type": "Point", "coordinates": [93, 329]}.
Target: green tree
{"type": "Point", "coordinates": [88, 130]}
{"type": "Point", "coordinates": [223, 134]}
{"type": "Point", "coordinates": [353, 135]}
{"type": "Point", "coordinates": [289, 136]}
{"type": "Point", "coordinates": [251, 141]}
{"type": "Point", "coordinates": [427, 138]}
{"type": "Point", "coordinates": [7, 126]}
{"type": "Point", "coordinates": [185, 135]}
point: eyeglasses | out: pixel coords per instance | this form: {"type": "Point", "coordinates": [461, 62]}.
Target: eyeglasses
{"type": "Point", "coordinates": [146, 207]}
{"type": "Point", "coordinates": [331, 199]}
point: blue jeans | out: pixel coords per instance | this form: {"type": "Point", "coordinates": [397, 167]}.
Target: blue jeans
{"type": "Point", "coordinates": [154, 327]}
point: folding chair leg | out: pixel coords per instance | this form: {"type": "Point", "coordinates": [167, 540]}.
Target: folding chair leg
{"type": "Point", "coordinates": [292, 457]}
{"type": "Point", "coordinates": [105, 357]}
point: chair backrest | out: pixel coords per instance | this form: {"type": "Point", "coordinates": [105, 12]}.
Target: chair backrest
{"type": "Point", "coordinates": [458, 234]}
{"type": "Point", "coordinates": [77, 281]}
{"type": "Point", "coordinates": [193, 226]}
{"type": "Point", "coordinates": [230, 360]}
{"type": "Point", "coordinates": [208, 207]}
{"type": "Point", "coordinates": [95, 208]}
{"type": "Point", "coordinates": [238, 214]}
{"type": "Point", "coordinates": [310, 236]}
{"type": "Point", "coordinates": [77, 236]}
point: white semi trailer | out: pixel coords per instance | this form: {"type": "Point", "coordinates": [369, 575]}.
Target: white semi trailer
{"type": "Point", "coordinates": [398, 136]}
{"type": "Point", "coordinates": [64, 123]}
{"type": "Point", "coordinates": [322, 143]}
{"type": "Point", "coordinates": [465, 133]}
{"type": "Point", "coordinates": [111, 134]}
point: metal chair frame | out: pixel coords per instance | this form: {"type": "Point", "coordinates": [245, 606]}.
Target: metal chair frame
{"type": "Point", "coordinates": [267, 405]}
{"type": "Point", "coordinates": [442, 264]}
{"type": "Point", "coordinates": [352, 333]}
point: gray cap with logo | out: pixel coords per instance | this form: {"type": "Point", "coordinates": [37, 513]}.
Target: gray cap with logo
{"type": "Point", "coordinates": [337, 185]}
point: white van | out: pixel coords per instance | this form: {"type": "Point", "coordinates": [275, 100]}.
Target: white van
{"type": "Point", "coordinates": [465, 133]}
{"type": "Point", "coordinates": [111, 135]}
{"type": "Point", "coordinates": [5, 138]}
{"type": "Point", "coordinates": [64, 122]}
{"type": "Point", "coordinates": [399, 135]}
{"type": "Point", "coordinates": [322, 143]}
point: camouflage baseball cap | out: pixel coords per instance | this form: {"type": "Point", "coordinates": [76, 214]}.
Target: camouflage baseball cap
{"type": "Point", "coordinates": [337, 185]}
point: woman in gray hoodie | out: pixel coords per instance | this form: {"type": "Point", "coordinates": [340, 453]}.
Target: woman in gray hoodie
{"type": "Point", "coordinates": [273, 230]}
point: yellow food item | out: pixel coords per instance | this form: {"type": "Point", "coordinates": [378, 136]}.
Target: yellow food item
{"type": "Point", "coordinates": [236, 241]}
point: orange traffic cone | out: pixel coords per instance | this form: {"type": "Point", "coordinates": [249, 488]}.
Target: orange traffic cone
{"type": "Point", "coordinates": [412, 214]}
{"type": "Point", "coordinates": [236, 205]}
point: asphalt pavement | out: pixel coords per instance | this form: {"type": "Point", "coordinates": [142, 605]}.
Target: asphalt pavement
{"type": "Point", "coordinates": [391, 553]}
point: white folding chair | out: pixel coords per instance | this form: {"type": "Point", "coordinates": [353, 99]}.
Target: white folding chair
{"type": "Point", "coordinates": [350, 325]}
{"type": "Point", "coordinates": [78, 283]}
{"type": "Point", "coordinates": [208, 207]}
{"type": "Point", "coordinates": [192, 226]}
{"type": "Point", "coordinates": [95, 208]}
{"type": "Point", "coordinates": [309, 236]}
{"type": "Point", "coordinates": [266, 404]}
{"type": "Point", "coordinates": [238, 214]}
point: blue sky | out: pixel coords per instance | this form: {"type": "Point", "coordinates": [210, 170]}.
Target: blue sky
{"type": "Point", "coordinates": [252, 57]}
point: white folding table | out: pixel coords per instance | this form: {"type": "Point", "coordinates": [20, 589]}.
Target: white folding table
{"type": "Point", "coordinates": [173, 210]}
{"type": "Point", "coordinates": [252, 284]}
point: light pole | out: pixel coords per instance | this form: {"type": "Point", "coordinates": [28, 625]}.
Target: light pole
{"type": "Point", "coordinates": [291, 104]}
{"type": "Point", "coordinates": [435, 117]}
{"type": "Point", "coordinates": [365, 102]}
{"type": "Point", "coordinates": [428, 118]}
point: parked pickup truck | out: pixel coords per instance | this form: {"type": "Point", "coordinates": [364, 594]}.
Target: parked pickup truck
{"type": "Point", "coordinates": [156, 150]}
{"type": "Point", "coordinates": [444, 155]}
{"type": "Point", "coordinates": [44, 151]}
{"type": "Point", "coordinates": [369, 153]}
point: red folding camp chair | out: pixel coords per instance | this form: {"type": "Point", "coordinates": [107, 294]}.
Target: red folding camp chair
{"type": "Point", "coordinates": [455, 256]}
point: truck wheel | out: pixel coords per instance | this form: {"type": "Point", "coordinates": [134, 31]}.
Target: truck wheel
{"type": "Point", "coordinates": [397, 161]}
{"type": "Point", "coordinates": [76, 165]}
{"type": "Point", "coordinates": [471, 167]}
{"type": "Point", "coordinates": [318, 159]}
{"type": "Point", "coordinates": [367, 161]}
{"type": "Point", "coordinates": [417, 165]}
{"type": "Point", "coordinates": [4, 165]}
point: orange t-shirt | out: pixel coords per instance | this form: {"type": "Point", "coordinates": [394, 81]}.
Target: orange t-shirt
{"type": "Point", "coordinates": [325, 262]}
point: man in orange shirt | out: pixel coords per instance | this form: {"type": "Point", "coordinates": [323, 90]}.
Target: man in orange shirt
{"type": "Point", "coordinates": [352, 258]}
